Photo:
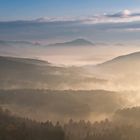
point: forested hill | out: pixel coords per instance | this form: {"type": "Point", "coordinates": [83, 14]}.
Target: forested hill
{"type": "Point", "coordinates": [15, 128]}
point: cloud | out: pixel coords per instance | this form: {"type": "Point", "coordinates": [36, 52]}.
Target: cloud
{"type": "Point", "coordinates": [54, 19]}
{"type": "Point", "coordinates": [121, 16]}
{"type": "Point", "coordinates": [105, 27]}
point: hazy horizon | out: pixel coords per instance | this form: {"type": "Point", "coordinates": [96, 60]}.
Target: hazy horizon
{"type": "Point", "coordinates": [69, 70]}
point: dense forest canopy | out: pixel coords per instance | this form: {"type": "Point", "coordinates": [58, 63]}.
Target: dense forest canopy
{"type": "Point", "coordinates": [16, 128]}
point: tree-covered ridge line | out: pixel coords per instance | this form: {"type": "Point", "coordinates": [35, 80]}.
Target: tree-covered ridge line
{"type": "Point", "coordinates": [16, 128]}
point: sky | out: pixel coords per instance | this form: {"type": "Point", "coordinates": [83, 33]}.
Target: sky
{"type": "Point", "coordinates": [53, 21]}
{"type": "Point", "coordinates": [29, 9]}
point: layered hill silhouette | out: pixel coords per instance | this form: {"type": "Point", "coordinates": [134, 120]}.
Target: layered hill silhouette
{"type": "Point", "coordinates": [29, 73]}
{"type": "Point", "coordinates": [77, 42]}
{"type": "Point", "coordinates": [32, 73]}
{"type": "Point", "coordinates": [17, 43]}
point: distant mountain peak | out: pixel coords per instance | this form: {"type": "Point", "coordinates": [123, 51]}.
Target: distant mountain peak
{"type": "Point", "coordinates": [80, 40]}
{"type": "Point", "coordinates": [76, 42]}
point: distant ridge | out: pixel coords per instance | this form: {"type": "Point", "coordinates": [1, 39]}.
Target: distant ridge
{"type": "Point", "coordinates": [129, 63]}
{"type": "Point", "coordinates": [16, 60]}
{"type": "Point", "coordinates": [76, 42]}
{"type": "Point", "coordinates": [133, 57]}
{"type": "Point", "coordinates": [23, 43]}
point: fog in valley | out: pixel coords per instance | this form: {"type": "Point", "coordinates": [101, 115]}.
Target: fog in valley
{"type": "Point", "coordinates": [91, 82]}
{"type": "Point", "coordinates": [69, 70]}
